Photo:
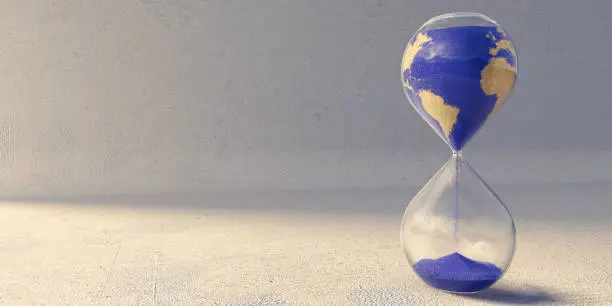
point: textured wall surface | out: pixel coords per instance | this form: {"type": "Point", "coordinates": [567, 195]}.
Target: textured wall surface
{"type": "Point", "coordinates": [101, 97]}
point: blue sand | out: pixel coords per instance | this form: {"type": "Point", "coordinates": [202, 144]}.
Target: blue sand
{"type": "Point", "coordinates": [450, 66]}
{"type": "Point", "coordinates": [457, 273]}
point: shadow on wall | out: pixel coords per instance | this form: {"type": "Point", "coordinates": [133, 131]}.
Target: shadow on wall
{"type": "Point", "coordinates": [360, 201]}
{"type": "Point", "coordinates": [555, 201]}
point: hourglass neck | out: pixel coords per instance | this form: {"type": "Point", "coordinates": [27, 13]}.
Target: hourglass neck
{"type": "Point", "coordinates": [458, 154]}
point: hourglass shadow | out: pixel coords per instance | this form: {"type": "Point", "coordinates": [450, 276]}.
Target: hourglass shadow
{"type": "Point", "coordinates": [532, 295]}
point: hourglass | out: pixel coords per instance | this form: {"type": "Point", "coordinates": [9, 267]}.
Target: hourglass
{"type": "Point", "coordinates": [456, 233]}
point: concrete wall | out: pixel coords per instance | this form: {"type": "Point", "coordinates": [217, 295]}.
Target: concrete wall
{"type": "Point", "coordinates": [169, 96]}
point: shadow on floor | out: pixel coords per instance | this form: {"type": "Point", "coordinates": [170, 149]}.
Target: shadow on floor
{"type": "Point", "coordinates": [529, 296]}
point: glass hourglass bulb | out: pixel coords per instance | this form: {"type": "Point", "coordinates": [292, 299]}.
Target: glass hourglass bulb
{"type": "Point", "coordinates": [456, 233]}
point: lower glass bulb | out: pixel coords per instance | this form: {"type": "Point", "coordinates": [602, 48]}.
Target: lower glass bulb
{"type": "Point", "coordinates": [456, 233]}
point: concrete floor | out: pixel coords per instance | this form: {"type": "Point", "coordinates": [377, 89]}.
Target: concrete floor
{"type": "Point", "coordinates": [284, 248]}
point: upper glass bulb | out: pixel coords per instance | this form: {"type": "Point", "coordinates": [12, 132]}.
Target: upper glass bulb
{"type": "Point", "coordinates": [457, 70]}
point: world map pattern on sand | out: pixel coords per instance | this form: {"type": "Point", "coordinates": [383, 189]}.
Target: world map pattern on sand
{"type": "Point", "coordinates": [457, 77]}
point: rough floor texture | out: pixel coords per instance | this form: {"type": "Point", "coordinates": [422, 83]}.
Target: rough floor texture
{"type": "Point", "coordinates": [285, 248]}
